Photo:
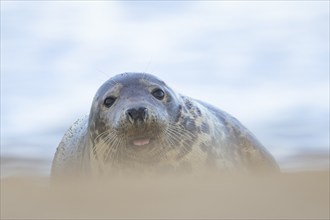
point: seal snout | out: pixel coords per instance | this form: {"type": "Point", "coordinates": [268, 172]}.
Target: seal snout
{"type": "Point", "coordinates": [137, 114]}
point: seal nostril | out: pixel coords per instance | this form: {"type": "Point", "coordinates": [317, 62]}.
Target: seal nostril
{"type": "Point", "coordinates": [145, 113]}
{"type": "Point", "coordinates": [135, 114]}
{"type": "Point", "coordinates": [131, 115]}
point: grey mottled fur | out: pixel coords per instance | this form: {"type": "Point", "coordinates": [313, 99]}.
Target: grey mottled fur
{"type": "Point", "coordinates": [213, 139]}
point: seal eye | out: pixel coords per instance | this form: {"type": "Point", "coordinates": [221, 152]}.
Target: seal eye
{"type": "Point", "coordinates": [108, 102]}
{"type": "Point", "coordinates": [158, 94]}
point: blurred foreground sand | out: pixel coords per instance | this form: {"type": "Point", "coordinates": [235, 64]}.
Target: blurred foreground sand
{"type": "Point", "coordinates": [303, 195]}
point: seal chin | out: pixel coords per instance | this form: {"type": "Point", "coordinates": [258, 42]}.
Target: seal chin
{"type": "Point", "coordinates": [141, 142]}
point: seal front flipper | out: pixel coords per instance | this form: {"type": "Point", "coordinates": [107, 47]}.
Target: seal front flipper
{"type": "Point", "coordinates": [69, 153]}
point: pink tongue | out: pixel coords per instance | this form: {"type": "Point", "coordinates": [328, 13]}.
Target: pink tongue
{"type": "Point", "coordinates": [141, 142]}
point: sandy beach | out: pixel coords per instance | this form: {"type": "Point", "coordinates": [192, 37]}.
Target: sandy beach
{"type": "Point", "coordinates": [299, 195]}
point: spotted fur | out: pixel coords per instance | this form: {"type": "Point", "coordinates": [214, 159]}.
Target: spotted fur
{"type": "Point", "coordinates": [185, 134]}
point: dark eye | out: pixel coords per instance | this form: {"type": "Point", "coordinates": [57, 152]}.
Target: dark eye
{"type": "Point", "coordinates": [158, 94]}
{"type": "Point", "coordinates": [108, 102]}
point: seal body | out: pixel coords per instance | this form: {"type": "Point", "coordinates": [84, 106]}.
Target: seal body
{"type": "Point", "coordinates": [138, 123]}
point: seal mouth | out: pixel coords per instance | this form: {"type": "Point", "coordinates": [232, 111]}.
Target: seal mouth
{"type": "Point", "coordinates": [141, 142]}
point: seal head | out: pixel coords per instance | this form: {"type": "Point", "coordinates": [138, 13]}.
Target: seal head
{"type": "Point", "coordinates": [133, 121]}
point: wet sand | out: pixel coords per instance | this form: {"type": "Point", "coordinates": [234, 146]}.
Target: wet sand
{"type": "Point", "coordinates": [299, 195]}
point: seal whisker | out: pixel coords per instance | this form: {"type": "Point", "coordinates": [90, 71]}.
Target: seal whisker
{"type": "Point", "coordinates": [112, 153]}
{"type": "Point", "coordinates": [180, 133]}
{"type": "Point", "coordinates": [100, 144]}
{"type": "Point", "coordinates": [184, 148]}
{"type": "Point", "coordinates": [106, 132]}
{"type": "Point", "coordinates": [105, 145]}
{"type": "Point", "coordinates": [181, 129]}
{"type": "Point", "coordinates": [115, 154]}
{"type": "Point", "coordinates": [110, 150]}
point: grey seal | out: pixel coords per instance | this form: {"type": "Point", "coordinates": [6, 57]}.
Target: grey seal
{"type": "Point", "coordinates": [137, 122]}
